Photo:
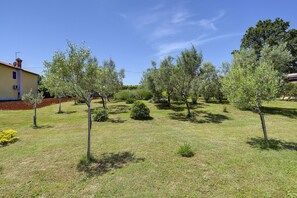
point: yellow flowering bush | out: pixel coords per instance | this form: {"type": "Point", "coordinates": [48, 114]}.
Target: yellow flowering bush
{"type": "Point", "coordinates": [8, 136]}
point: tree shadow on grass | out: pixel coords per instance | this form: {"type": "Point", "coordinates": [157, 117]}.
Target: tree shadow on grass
{"type": "Point", "coordinates": [116, 120]}
{"type": "Point", "coordinates": [199, 117]}
{"type": "Point", "coordinates": [107, 162]}
{"type": "Point", "coordinates": [162, 106]}
{"type": "Point", "coordinates": [66, 112]}
{"type": "Point", "coordinates": [93, 109]}
{"type": "Point", "coordinates": [288, 112]}
{"type": "Point", "coordinates": [273, 144]}
{"type": "Point", "coordinates": [117, 109]}
{"type": "Point", "coordinates": [42, 126]}
{"type": "Point", "coordinates": [218, 102]}
{"type": "Point", "coordinates": [114, 109]}
{"type": "Point", "coordinates": [176, 107]}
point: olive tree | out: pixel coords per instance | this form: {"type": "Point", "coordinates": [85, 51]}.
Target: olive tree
{"type": "Point", "coordinates": [33, 99]}
{"type": "Point", "coordinates": [150, 81]}
{"type": "Point", "coordinates": [54, 85]}
{"type": "Point", "coordinates": [78, 71]}
{"type": "Point", "coordinates": [186, 70]}
{"type": "Point", "coordinates": [250, 82]}
{"type": "Point", "coordinates": [109, 81]}
{"type": "Point", "coordinates": [166, 76]}
{"type": "Point", "coordinates": [209, 81]}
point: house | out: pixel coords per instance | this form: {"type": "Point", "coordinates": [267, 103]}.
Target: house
{"type": "Point", "coordinates": [292, 77]}
{"type": "Point", "coordinates": [15, 81]}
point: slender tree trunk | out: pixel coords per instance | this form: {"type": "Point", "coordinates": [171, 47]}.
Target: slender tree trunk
{"type": "Point", "coordinates": [187, 104]}
{"type": "Point", "coordinates": [60, 108]}
{"type": "Point", "coordinates": [34, 117]}
{"type": "Point", "coordinates": [263, 127]}
{"type": "Point", "coordinates": [168, 98]}
{"type": "Point", "coordinates": [89, 128]}
{"type": "Point", "coordinates": [103, 102]}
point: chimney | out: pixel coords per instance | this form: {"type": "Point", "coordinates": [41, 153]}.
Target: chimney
{"type": "Point", "coordinates": [19, 62]}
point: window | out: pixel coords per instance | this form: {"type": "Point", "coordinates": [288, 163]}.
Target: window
{"type": "Point", "coordinates": [14, 75]}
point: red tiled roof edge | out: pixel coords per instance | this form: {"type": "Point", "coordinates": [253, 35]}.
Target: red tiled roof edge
{"type": "Point", "coordinates": [10, 65]}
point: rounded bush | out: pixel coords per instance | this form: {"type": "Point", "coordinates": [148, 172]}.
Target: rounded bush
{"type": "Point", "coordinates": [140, 111]}
{"type": "Point", "coordinates": [8, 136]}
{"type": "Point", "coordinates": [101, 115]}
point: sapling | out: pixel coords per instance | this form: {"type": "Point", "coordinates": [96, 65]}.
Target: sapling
{"type": "Point", "coordinates": [33, 99]}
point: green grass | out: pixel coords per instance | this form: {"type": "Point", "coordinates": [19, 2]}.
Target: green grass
{"type": "Point", "coordinates": [138, 158]}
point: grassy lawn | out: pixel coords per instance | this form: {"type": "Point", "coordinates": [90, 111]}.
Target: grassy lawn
{"type": "Point", "coordinates": [138, 158]}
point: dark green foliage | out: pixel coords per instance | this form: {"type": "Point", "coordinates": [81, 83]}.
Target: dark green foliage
{"type": "Point", "coordinates": [185, 150]}
{"type": "Point", "coordinates": [124, 95]}
{"type": "Point", "coordinates": [130, 87]}
{"type": "Point", "coordinates": [130, 101]}
{"type": "Point", "coordinates": [144, 94]}
{"type": "Point", "coordinates": [140, 111]}
{"type": "Point", "coordinates": [46, 93]}
{"type": "Point", "coordinates": [272, 33]}
{"type": "Point", "coordinates": [101, 115]}
{"type": "Point", "coordinates": [290, 91]}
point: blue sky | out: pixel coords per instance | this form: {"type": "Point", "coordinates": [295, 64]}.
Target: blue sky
{"type": "Point", "coordinates": [132, 33]}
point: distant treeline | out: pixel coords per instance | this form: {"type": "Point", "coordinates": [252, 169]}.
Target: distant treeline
{"type": "Point", "coordinates": [130, 87]}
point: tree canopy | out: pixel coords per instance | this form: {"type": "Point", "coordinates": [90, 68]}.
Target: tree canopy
{"type": "Point", "coordinates": [250, 82]}
{"type": "Point", "coordinates": [272, 33]}
{"type": "Point", "coordinates": [186, 70]}
{"type": "Point", "coordinates": [78, 72]}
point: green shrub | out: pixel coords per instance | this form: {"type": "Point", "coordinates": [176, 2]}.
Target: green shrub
{"type": "Point", "coordinates": [137, 94]}
{"type": "Point", "coordinates": [144, 94]}
{"type": "Point", "coordinates": [130, 101]}
{"type": "Point", "coordinates": [101, 115]}
{"type": "Point", "coordinates": [185, 150]}
{"type": "Point", "coordinates": [8, 136]}
{"type": "Point", "coordinates": [124, 95]}
{"type": "Point", "coordinates": [140, 111]}
{"type": "Point", "coordinates": [290, 91]}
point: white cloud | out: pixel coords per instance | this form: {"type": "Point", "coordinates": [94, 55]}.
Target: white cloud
{"type": "Point", "coordinates": [180, 17]}
{"type": "Point", "coordinates": [158, 33]}
{"type": "Point", "coordinates": [166, 49]}
{"type": "Point", "coordinates": [208, 23]}
{"type": "Point", "coordinates": [158, 23]}
{"type": "Point", "coordinates": [149, 19]}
